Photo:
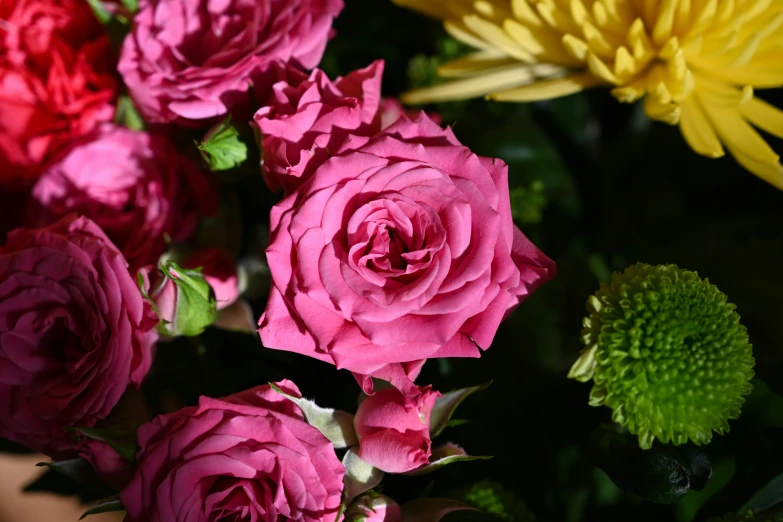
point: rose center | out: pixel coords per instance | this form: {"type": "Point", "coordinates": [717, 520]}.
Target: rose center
{"type": "Point", "coordinates": [394, 237]}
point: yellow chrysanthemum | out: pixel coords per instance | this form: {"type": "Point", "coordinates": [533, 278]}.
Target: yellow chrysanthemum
{"type": "Point", "coordinates": [695, 63]}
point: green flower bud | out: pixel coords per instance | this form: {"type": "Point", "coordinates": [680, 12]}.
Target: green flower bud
{"type": "Point", "coordinates": [493, 498]}
{"type": "Point", "coordinates": [667, 353]}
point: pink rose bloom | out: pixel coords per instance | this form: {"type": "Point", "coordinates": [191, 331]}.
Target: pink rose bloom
{"type": "Point", "coordinates": [394, 431]}
{"type": "Point", "coordinates": [400, 248]}
{"type": "Point", "coordinates": [133, 184]}
{"type": "Point", "coordinates": [109, 466]}
{"type": "Point", "coordinates": [75, 331]}
{"type": "Point", "coordinates": [191, 61]}
{"type": "Point", "coordinates": [250, 456]}
{"type": "Point", "coordinates": [374, 507]}
{"type": "Point", "coordinates": [307, 117]}
{"type": "Point", "coordinates": [57, 82]}
{"type": "Point", "coordinates": [217, 267]}
{"type": "Point", "coordinates": [392, 110]}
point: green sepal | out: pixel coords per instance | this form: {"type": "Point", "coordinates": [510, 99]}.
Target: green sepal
{"type": "Point", "coordinates": [76, 469]}
{"type": "Point", "coordinates": [196, 305]}
{"type": "Point", "coordinates": [107, 506]}
{"type": "Point", "coordinates": [335, 425]}
{"type": "Point", "coordinates": [443, 456]}
{"type": "Point", "coordinates": [445, 407]}
{"type": "Point", "coordinates": [360, 477]}
{"type": "Point", "coordinates": [126, 450]}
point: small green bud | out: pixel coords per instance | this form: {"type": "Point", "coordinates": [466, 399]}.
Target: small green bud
{"type": "Point", "coordinates": [666, 351]}
{"type": "Point", "coordinates": [186, 303]}
{"type": "Point", "coordinates": [222, 149]}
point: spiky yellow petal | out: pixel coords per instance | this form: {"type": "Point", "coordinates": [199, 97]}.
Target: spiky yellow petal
{"type": "Point", "coordinates": [696, 63]}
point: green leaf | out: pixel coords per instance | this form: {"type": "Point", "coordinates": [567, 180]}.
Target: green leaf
{"type": "Point", "coordinates": [196, 305]}
{"type": "Point", "coordinates": [104, 507]}
{"type": "Point", "coordinates": [360, 477]}
{"type": "Point", "coordinates": [443, 456]}
{"type": "Point", "coordinates": [336, 425]}
{"type": "Point", "coordinates": [126, 450]}
{"type": "Point", "coordinates": [131, 5]}
{"type": "Point", "coordinates": [446, 406]}
{"type": "Point", "coordinates": [76, 469]}
{"type": "Point", "coordinates": [101, 13]}
{"type": "Point", "coordinates": [127, 114]}
{"type": "Point", "coordinates": [222, 148]}
{"type": "Point", "coordinates": [769, 496]}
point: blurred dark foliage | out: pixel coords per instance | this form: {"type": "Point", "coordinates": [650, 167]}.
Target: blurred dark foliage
{"type": "Point", "coordinates": [597, 187]}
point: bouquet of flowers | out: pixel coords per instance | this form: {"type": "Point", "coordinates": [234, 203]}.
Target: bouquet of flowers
{"type": "Point", "coordinates": [255, 254]}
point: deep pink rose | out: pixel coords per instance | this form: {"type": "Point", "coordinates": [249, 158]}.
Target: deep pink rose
{"type": "Point", "coordinates": [190, 61]}
{"type": "Point", "coordinates": [250, 456]}
{"type": "Point", "coordinates": [374, 507]}
{"type": "Point", "coordinates": [133, 184]}
{"type": "Point", "coordinates": [109, 465]}
{"type": "Point", "coordinates": [57, 81]}
{"type": "Point", "coordinates": [219, 271]}
{"type": "Point", "coordinates": [392, 109]}
{"type": "Point", "coordinates": [74, 332]}
{"type": "Point", "coordinates": [394, 431]}
{"type": "Point", "coordinates": [306, 118]}
{"type": "Point", "coordinates": [400, 248]}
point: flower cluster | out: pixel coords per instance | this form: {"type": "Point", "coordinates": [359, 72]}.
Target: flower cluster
{"type": "Point", "coordinates": [387, 243]}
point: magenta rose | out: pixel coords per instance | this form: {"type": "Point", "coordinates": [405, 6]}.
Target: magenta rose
{"type": "Point", "coordinates": [133, 184]}
{"type": "Point", "coordinates": [250, 456]}
{"type": "Point", "coordinates": [400, 248]}
{"type": "Point", "coordinates": [394, 431]}
{"type": "Point", "coordinates": [307, 117]}
{"type": "Point", "coordinates": [190, 61]}
{"type": "Point", "coordinates": [75, 331]}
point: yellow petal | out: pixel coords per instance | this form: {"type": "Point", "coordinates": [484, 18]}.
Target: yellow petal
{"type": "Point", "coordinates": [737, 134]}
{"type": "Point", "coordinates": [475, 63]}
{"type": "Point", "coordinates": [545, 90]}
{"type": "Point", "coordinates": [764, 116]}
{"type": "Point", "coordinates": [494, 35]}
{"type": "Point", "coordinates": [525, 14]}
{"type": "Point", "coordinates": [698, 131]}
{"type": "Point", "coordinates": [665, 112]}
{"type": "Point", "coordinates": [481, 85]}
{"type": "Point", "coordinates": [772, 173]}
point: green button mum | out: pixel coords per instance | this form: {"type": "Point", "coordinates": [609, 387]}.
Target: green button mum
{"type": "Point", "coordinates": [667, 353]}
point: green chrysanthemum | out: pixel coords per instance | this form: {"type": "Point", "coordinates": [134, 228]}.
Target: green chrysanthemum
{"type": "Point", "coordinates": [493, 498]}
{"type": "Point", "coordinates": [667, 353]}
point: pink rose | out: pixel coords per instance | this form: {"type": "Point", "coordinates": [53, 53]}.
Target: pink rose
{"type": "Point", "coordinates": [57, 81]}
{"type": "Point", "coordinates": [374, 507]}
{"type": "Point", "coordinates": [190, 61]}
{"type": "Point", "coordinates": [392, 109]}
{"type": "Point", "coordinates": [400, 248]}
{"type": "Point", "coordinates": [135, 185]}
{"type": "Point", "coordinates": [74, 332]}
{"type": "Point", "coordinates": [394, 431]}
{"type": "Point", "coordinates": [218, 269]}
{"type": "Point", "coordinates": [109, 466]}
{"type": "Point", "coordinates": [307, 117]}
{"type": "Point", "coordinates": [250, 456]}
